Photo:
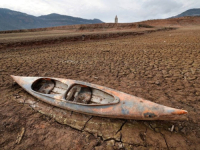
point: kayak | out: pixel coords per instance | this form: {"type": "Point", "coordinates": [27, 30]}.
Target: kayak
{"type": "Point", "coordinates": [94, 99]}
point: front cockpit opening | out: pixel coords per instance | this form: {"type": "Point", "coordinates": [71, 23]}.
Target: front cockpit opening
{"type": "Point", "coordinates": [49, 86]}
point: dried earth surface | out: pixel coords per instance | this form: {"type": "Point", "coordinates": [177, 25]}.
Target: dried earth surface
{"type": "Point", "coordinates": [159, 66]}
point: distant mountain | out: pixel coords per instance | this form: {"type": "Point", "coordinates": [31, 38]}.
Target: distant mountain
{"type": "Point", "coordinates": [190, 12]}
{"type": "Point", "coordinates": [13, 20]}
{"type": "Point", "coordinates": [58, 20]}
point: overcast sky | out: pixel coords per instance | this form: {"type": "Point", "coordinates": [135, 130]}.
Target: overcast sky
{"type": "Point", "coordinates": [105, 10]}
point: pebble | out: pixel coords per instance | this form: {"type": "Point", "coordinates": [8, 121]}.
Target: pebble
{"type": "Point", "coordinates": [18, 96]}
{"type": "Point", "coordinates": [157, 129]}
{"type": "Point", "coordinates": [172, 128]}
{"type": "Point", "coordinates": [183, 130]}
{"type": "Point", "coordinates": [111, 142]}
{"type": "Point", "coordinates": [176, 129]}
{"type": "Point", "coordinates": [157, 82]}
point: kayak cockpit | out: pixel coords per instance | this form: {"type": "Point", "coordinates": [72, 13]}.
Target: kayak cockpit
{"type": "Point", "coordinates": [49, 86]}
{"type": "Point", "coordinates": [76, 93]}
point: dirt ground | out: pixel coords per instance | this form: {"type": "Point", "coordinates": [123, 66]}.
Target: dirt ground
{"type": "Point", "coordinates": [163, 67]}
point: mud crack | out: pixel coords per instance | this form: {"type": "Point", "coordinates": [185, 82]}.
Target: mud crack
{"type": "Point", "coordinates": [121, 127]}
{"type": "Point", "coordinates": [165, 140]}
{"type": "Point", "coordinates": [86, 123]}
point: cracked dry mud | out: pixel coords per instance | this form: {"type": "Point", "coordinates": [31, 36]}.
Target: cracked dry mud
{"type": "Point", "coordinates": [161, 66]}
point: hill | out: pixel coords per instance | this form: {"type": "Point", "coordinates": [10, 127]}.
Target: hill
{"type": "Point", "coordinates": [14, 20]}
{"type": "Point", "coordinates": [60, 20]}
{"type": "Point", "coordinates": [190, 12]}
{"type": "Point", "coordinates": [174, 22]}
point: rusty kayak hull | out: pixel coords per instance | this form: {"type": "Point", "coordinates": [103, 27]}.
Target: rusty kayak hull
{"type": "Point", "coordinates": [95, 100]}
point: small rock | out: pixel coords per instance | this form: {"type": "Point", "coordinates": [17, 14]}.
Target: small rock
{"type": "Point", "coordinates": [111, 142]}
{"type": "Point", "coordinates": [20, 135]}
{"type": "Point", "coordinates": [119, 145]}
{"type": "Point", "coordinates": [183, 130]}
{"type": "Point", "coordinates": [157, 129]}
{"type": "Point", "coordinates": [157, 82]}
{"type": "Point", "coordinates": [18, 96]}
{"type": "Point", "coordinates": [20, 100]}
{"type": "Point", "coordinates": [176, 129]}
{"type": "Point", "coordinates": [191, 78]}
{"type": "Point", "coordinates": [193, 71]}
{"type": "Point", "coordinates": [172, 128]}
{"type": "Point", "coordinates": [128, 146]}
{"type": "Point", "coordinates": [153, 125]}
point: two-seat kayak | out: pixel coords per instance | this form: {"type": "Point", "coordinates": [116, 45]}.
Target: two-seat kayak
{"type": "Point", "coordinates": [94, 99]}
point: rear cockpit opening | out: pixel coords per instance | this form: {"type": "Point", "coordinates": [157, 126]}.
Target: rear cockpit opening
{"type": "Point", "coordinates": [79, 94]}
{"type": "Point", "coordinates": [87, 95]}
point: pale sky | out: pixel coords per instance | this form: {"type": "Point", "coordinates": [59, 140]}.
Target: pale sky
{"type": "Point", "coordinates": [105, 10]}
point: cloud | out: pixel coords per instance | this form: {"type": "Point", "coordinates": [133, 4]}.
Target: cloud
{"type": "Point", "coordinates": [159, 9]}
{"type": "Point", "coordinates": [127, 10]}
